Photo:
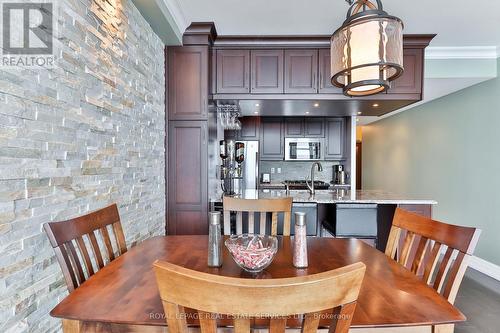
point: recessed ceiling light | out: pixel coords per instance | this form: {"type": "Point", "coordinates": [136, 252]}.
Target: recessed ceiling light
{"type": "Point", "coordinates": [307, 112]}
{"type": "Point", "coordinates": [256, 112]}
{"type": "Point", "coordinates": [316, 105]}
{"type": "Point", "coordinates": [257, 104]}
{"type": "Point", "coordinates": [359, 112]}
{"type": "Point", "coordinates": [375, 105]}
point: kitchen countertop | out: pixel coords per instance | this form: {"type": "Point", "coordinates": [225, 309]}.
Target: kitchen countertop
{"type": "Point", "coordinates": [336, 196]}
{"type": "Point", "coordinates": [281, 186]}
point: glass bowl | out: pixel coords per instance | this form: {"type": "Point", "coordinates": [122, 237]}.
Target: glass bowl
{"type": "Point", "coordinates": [251, 252]}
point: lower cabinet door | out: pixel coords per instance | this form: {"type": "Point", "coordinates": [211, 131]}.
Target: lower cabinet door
{"type": "Point", "coordinates": [311, 210]}
{"type": "Point", "coordinates": [187, 178]}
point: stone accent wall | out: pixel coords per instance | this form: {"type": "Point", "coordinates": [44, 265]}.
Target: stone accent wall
{"type": "Point", "coordinates": [76, 138]}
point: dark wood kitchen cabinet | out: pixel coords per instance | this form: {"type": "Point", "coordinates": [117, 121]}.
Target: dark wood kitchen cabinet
{"type": "Point", "coordinates": [187, 177]}
{"type": "Point", "coordinates": [267, 72]}
{"type": "Point", "coordinates": [233, 71]}
{"type": "Point", "coordinates": [272, 139]}
{"type": "Point", "coordinates": [294, 127]}
{"type": "Point", "coordinates": [422, 209]}
{"type": "Point", "coordinates": [325, 84]}
{"type": "Point", "coordinates": [410, 82]}
{"type": "Point", "coordinates": [301, 71]}
{"type": "Point", "coordinates": [335, 132]}
{"type": "Point", "coordinates": [314, 128]}
{"type": "Point", "coordinates": [250, 129]}
{"type": "Point", "coordinates": [187, 82]}
{"type": "Point", "coordinates": [299, 127]}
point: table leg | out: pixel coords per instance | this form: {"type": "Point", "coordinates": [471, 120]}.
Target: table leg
{"type": "Point", "coordinates": [72, 326]}
{"type": "Point", "coordinates": [450, 328]}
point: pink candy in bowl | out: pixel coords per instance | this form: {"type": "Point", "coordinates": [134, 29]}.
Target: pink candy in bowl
{"type": "Point", "coordinates": [253, 253]}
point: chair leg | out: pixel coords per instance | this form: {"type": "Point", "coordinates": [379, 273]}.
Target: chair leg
{"type": "Point", "coordinates": [449, 328]}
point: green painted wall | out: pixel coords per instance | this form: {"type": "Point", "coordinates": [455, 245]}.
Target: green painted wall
{"type": "Point", "coordinates": [447, 150]}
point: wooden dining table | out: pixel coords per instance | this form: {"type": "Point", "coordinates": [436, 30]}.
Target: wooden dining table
{"type": "Point", "coordinates": [123, 296]}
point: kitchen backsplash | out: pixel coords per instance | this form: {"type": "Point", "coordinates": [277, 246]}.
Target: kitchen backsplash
{"type": "Point", "coordinates": [296, 170]}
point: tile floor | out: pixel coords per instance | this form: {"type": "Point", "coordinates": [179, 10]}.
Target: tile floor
{"type": "Point", "coordinates": [479, 299]}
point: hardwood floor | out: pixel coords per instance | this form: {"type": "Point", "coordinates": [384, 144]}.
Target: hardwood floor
{"type": "Point", "coordinates": [479, 299]}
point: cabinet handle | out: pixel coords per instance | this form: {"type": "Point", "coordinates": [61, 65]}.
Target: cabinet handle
{"type": "Point", "coordinates": [320, 80]}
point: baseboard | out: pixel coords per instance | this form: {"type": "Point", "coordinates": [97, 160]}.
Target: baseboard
{"type": "Point", "coordinates": [485, 267]}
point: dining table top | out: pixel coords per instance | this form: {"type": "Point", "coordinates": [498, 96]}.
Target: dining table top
{"type": "Point", "coordinates": [125, 291]}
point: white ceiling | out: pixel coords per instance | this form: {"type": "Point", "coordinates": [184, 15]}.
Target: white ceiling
{"type": "Point", "coordinates": [457, 23]}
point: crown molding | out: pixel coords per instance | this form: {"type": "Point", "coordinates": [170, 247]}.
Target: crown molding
{"type": "Point", "coordinates": [176, 12]}
{"type": "Point", "coordinates": [462, 52]}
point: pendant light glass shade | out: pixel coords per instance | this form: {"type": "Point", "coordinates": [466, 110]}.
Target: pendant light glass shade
{"type": "Point", "coordinates": [367, 51]}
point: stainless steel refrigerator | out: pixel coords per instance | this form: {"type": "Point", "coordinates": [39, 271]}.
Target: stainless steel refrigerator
{"type": "Point", "coordinates": [250, 168]}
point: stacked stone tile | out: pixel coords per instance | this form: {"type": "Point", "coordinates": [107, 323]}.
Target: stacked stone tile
{"type": "Point", "coordinates": [76, 138]}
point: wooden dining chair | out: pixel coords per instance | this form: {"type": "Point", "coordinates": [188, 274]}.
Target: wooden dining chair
{"type": "Point", "coordinates": [243, 299]}
{"type": "Point", "coordinates": [77, 234]}
{"type": "Point", "coordinates": [424, 240]}
{"type": "Point", "coordinates": [261, 206]}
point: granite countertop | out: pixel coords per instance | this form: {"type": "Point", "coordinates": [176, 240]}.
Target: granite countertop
{"type": "Point", "coordinates": [281, 186]}
{"type": "Point", "coordinates": [336, 196]}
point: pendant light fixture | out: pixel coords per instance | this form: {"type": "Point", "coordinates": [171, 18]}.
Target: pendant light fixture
{"type": "Point", "coordinates": [367, 50]}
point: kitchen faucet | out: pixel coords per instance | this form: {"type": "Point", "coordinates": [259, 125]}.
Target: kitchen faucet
{"type": "Point", "coordinates": [320, 168]}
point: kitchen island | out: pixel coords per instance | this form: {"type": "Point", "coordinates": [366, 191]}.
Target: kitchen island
{"type": "Point", "coordinates": [336, 196]}
{"type": "Point", "coordinates": [341, 213]}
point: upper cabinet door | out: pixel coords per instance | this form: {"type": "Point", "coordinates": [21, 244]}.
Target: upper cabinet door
{"type": "Point", "coordinates": [314, 128]}
{"type": "Point", "coordinates": [267, 72]}
{"type": "Point", "coordinates": [272, 139]}
{"type": "Point", "coordinates": [249, 128]}
{"type": "Point", "coordinates": [294, 127]}
{"type": "Point", "coordinates": [187, 70]}
{"type": "Point", "coordinates": [335, 131]}
{"type": "Point", "coordinates": [301, 71]}
{"type": "Point", "coordinates": [411, 80]}
{"type": "Point", "coordinates": [233, 68]}
{"type": "Point", "coordinates": [325, 84]}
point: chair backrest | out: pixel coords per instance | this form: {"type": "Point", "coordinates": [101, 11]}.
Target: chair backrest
{"type": "Point", "coordinates": [244, 299]}
{"type": "Point", "coordinates": [261, 206]}
{"type": "Point", "coordinates": [77, 234]}
{"type": "Point", "coordinates": [421, 248]}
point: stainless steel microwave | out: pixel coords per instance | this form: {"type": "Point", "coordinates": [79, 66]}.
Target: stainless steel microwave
{"type": "Point", "coordinates": [303, 149]}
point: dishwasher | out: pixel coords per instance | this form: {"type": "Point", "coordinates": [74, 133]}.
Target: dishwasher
{"type": "Point", "coordinates": [354, 221]}
{"type": "Point", "coordinates": [311, 210]}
